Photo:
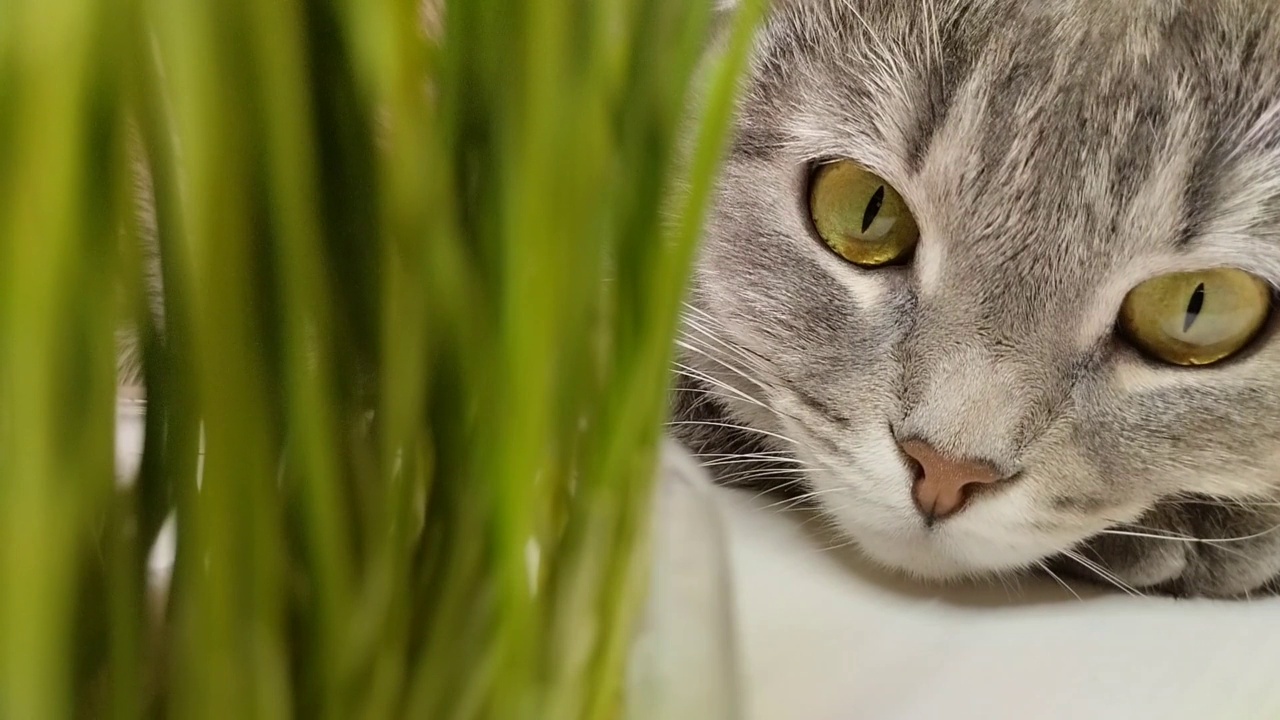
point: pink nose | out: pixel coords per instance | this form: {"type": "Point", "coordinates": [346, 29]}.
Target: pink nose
{"type": "Point", "coordinates": [945, 482]}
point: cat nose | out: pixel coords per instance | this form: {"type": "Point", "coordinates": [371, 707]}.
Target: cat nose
{"type": "Point", "coordinates": [945, 482]}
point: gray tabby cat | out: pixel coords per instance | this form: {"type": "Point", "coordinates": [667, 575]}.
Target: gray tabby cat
{"type": "Point", "coordinates": [992, 281]}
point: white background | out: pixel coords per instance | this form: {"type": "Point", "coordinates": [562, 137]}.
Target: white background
{"type": "Point", "coordinates": [825, 636]}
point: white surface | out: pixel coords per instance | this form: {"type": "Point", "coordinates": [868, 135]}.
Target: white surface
{"type": "Point", "coordinates": [684, 662]}
{"type": "Point", "coordinates": [824, 637]}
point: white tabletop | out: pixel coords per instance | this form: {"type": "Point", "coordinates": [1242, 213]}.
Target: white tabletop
{"type": "Point", "coordinates": [824, 636]}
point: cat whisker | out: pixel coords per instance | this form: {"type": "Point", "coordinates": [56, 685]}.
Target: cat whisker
{"type": "Point", "coordinates": [690, 308]}
{"type": "Point", "coordinates": [1161, 534]}
{"type": "Point", "coordinates": [702, 315]}
{"type": "Point", "coordinates": [1011, 584]}
{"type": "Point", "coordinates": [1241, 538]}
{"type": "Point", "coordinates": [774, 489]}
{"type": "Point", "coordinates": [752, 367]}
{"type": "Point", "coordinates": [758, 474]}
{"type": "Point", "coordinates": [1045, 567]}
{"type": "Point", "coordinates": [1234, 503]}
{"type": "Point", "coordinates": [789, 503]}
{"type": "Point", "coordinates": [848, 542]}
{"type": "Point", "coordinates": [1153, 536]}
{"type": "Point", "coordinates": [753, 362]}
{"type": "Point", "coordinates": [704, 391]}
{"type": "Point", "coordinates": [745, 460]}
{"type": "Point", "coordinates": [1126, 525]}
{"type": "Point", "coordinates": [1103, 573]}
{"type": "Point", "coordinates": [713, 343]}
{"type": "Point", "coordinates": [732, 369]}
{"type": "Point", "coordinates": [694, 345]}
{"type": "Point", "coordinates": [732, 426]}
{"type": "Point", "coordinates": [779, 454]}
{"type": "Point", "coordinates": [695, 374]}
{"type": "Point", "coordinates": [733, 392]}
{"type": "Point", "coordinates": [756, 477]}
{"type": "Point", "coordinates": [1173, 538]}
{"type": "Point", "coordinates": [751, 358]}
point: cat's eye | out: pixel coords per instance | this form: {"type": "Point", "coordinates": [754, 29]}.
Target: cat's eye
{"type": "Point", "coordinates": [860, 216]}
{"type": "Point", "coordinates": [1196, 318]}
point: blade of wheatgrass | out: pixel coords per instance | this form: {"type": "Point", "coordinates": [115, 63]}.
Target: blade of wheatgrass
{"type": "Point", "coordinates": [715, 113]}
{"type": "Point", "coordinates": [199, 621]}
{"type": "Point", "coordinates": [541, 185]}
{"type": "Point", "coordinates": [390, 68]}
{"type": "Point", "coordinates": [306, 325]}
{"type": "Point", "coordinates": [128, 528]}
{"type": "Point", "coordinates": [56, 386]}
{"type": "Point", "coordinates": [171, 465]}
{"type": "Point", "coordinates": [230, 657]}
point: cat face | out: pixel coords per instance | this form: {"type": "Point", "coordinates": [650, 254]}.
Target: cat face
{"type": "Point", "coordinates": [1054, 156]}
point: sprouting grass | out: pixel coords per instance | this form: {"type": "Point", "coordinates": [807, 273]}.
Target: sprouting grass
{"type": "Point", "coordinates": [419, 290]}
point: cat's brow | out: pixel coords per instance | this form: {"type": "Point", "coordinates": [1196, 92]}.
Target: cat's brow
{"type": "Point", "coordinates": [756, 144]}
{"type": "Point", "coordinates": [1248, 252]}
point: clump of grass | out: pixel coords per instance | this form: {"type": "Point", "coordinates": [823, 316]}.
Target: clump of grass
{"type": "Point", "coordinates": [421, 270]}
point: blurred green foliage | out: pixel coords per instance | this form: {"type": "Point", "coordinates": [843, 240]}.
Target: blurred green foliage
{"type": "Point", "coordinates": [421, 270]}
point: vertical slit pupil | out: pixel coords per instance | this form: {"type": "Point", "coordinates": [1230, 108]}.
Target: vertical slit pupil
{"type": "Point", "coordinates": [1194, 306]}
{"type": "Point", "coordinates": [873, 208]}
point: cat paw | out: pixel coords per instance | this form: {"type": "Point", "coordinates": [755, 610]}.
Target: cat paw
{"type": "Point", "coordinates": [1190, 547]}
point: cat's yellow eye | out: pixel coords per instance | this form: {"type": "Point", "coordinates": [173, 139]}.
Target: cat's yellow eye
{"type": "Point", "coordinates": [1196, 318]}
{"type": "Point", "coordinates": [860, 216]}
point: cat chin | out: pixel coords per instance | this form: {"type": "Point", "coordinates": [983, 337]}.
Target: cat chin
{"type": "Point", "coordinates": [950, 551]}
{"type": "Point", "coordinates": [922, 558]}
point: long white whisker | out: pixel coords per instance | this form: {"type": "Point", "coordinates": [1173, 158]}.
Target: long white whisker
{"type": "Point", "coordinates": [1179, 538]}
{"type": "Point", "coordinates": [695, 374]}
{"type": "Point", "coordinates": [734, 369]}
{"type": "Point", "coordinates": [1234, 503]}
{"type": "Point", "coordinates": [703, 391]}
{"type": "Point", "coordinates": [1242, 538]}
{"type": "Point", "coordinates": [778, 454]}
{"type": "Point", "coordinates": [696, 333]}
{"type": "Point", "coordinates": [788, 503]}
{"type": "Point", "coordinates": [755, 477]}
{"type": "Point", "coordinates": [758, 473]}
{"type": "Point", "coordinates": [691, 372]}
{"type": "Point", "coordinates": [741, 460]}
{"type": "Point", "coordinates": [711, 335]}
{"type": "Point", "coordinates": [1152, 536]}
{"type": "Point", "coordinates": [839, 546]}
{"type": "Point", "coordinates": [1103, 573]}
{"type": "Point", "coordinates": [731, 426]}
{"type": "Point", "coordinates": [1045, 567]}
{"type": "Point", "coordinates": [703, 315]}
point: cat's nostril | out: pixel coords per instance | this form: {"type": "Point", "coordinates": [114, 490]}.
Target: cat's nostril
{"type": "Point", "coordinates": [917, 470]}
{"type": "Point", "coordinates": [944, 483]}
